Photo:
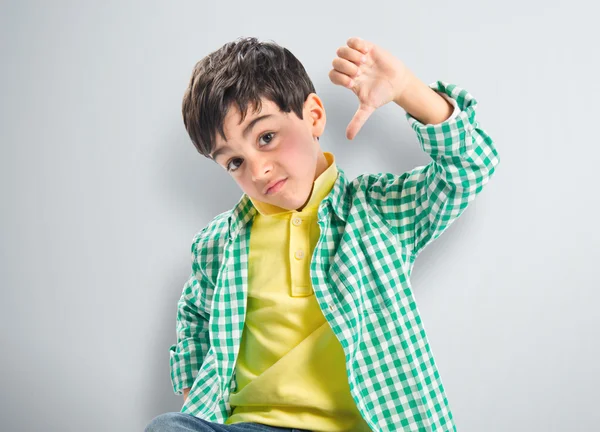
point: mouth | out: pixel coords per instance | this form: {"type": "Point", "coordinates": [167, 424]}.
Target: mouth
{"type": "Point", "coordinates": [276, 187]}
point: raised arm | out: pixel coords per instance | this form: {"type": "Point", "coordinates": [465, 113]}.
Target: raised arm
{"type": "Point", "coordinates": [420, 204]}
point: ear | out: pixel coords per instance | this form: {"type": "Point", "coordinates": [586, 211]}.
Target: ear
{"type": "Point", "coordinates": [314, 114]}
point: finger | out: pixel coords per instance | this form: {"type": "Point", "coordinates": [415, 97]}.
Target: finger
{"type": "Point", "coordinates": [359, 44]}
{"type": "Point", "coordinates": [340, 79]}
{"type": "Point", "coordinates": [345, 67]}
{"type": "Point", "coordinates": [359, 119]}
{"type": "Point", "coordinates": [352, 55]}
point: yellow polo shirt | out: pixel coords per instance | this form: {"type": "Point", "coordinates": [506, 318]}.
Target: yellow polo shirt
{"type": "Point", "coordinates": [291, 369]}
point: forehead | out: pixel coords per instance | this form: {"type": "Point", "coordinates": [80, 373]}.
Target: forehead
{"type": "Point", "coordinates": [233, 124]}
{"type": "Point", "coordinates": [234, 115]}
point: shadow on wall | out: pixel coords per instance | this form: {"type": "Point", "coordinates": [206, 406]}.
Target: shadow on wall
{"type": "Point", "coordinates": [195, 189]}
{"type": "Point", "coordinates": [193, 185]}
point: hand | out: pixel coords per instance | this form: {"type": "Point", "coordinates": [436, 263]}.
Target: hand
{"type": "Point", "coordinates": [373, 74]}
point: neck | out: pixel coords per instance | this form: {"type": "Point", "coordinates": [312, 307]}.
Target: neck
{"type": "Point", "coordinates": [321, 167]}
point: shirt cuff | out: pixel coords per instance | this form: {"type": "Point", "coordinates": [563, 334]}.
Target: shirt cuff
{"type": "Point", "coordinates": [453, 136]}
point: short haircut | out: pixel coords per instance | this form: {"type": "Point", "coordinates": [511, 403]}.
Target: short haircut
{"type": "Point", "coordinates": [242, 71]}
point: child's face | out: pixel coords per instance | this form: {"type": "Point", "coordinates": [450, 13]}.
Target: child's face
{"type": "Point", "coordinates": [262, 151]}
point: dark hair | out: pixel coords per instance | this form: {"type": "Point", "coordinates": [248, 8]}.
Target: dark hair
{"type": "Point", "coordinates": [242, 71]}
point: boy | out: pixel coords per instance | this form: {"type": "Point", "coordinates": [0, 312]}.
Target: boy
{"type": "Point", "coordinates": [299, 314]}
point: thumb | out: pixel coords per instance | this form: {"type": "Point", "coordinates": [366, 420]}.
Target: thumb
{"type": "Point", "coordinates": [359, 119]}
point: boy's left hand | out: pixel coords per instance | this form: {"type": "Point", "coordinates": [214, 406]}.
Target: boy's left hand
{"type": "Point", "coordinates": [374, 75]}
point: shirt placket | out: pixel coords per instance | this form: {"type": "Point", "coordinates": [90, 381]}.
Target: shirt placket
{"type": "Point", "coordinates": [299, 254]}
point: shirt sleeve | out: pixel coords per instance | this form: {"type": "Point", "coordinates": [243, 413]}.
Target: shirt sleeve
{"type": "Point", "coordinates": [422, 203]}
{"type": "Point", "coordinates": [453, 103]}
{"type": "Point", "coordinates": [187, 355]}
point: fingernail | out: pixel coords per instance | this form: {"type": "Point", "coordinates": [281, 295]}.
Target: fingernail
{"type": "Point", "coordinates": [364, 59]}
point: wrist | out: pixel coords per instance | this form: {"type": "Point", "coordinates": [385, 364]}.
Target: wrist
{"type": "Point", "coordinates": [424, 104]}
{"type": "Point", "coordinates": [404, 87]}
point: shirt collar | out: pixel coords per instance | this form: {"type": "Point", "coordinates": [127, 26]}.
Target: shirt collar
{"type": "Point", "coordinates": [324, 196]}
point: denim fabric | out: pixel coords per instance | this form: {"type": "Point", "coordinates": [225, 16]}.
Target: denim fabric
{"type": "Point", "coordinates": [183, 422]}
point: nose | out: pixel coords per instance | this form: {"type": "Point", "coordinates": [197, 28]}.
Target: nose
{"type": "Point", "coordinates": [259, 167]}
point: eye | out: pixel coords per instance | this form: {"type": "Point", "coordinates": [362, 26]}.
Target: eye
{"type": "Point", "coordinates": [268, 134]}
{"type": "Point", "coordinates": [229, 164]}
{"type": "Point", "coordinates": [268, 139]}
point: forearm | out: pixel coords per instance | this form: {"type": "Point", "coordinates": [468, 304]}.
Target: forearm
{"type": "Point", "coordinates": [185, 393]}
{"type": "Point", "coordinates": [423, 103]}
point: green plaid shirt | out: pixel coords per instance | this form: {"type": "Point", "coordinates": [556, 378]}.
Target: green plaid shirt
{"type": "Point", "coordinates": [372, 229]}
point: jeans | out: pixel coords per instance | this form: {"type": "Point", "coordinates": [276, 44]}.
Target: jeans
{"type": "Point", "coordinates": [183, 422]}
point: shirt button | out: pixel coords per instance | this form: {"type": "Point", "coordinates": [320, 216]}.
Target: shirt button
{"type": "Point", "coordinates": [299, 254]}
{"type": "Point", "coordinates": [297, 221]}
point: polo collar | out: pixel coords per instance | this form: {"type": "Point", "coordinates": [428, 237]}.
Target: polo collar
{"type": "Point", "coordinates": [244, 211]}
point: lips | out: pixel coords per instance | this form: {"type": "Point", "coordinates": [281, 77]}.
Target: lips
{"type": "Point", "coordinates": [274, 186]}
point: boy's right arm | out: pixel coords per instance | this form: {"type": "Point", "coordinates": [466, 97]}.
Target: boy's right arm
{"type": "Point", "coordinates": [193, 313]}
{"type": "Point", "coordinates": [185, 393]}
{"type": "Point", "coordinates": [422, 203]}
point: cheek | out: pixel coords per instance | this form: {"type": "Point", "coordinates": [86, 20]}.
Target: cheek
{"type": "Point", "coordinates": [246, 185]}
{"type": "Point", "coordinates": [295, 152]}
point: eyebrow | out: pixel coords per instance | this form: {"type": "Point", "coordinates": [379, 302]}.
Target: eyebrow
{"type": "Point", "coordinates": [244, 133]}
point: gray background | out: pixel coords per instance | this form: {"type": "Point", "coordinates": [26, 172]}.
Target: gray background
{"type": "Point", "coordinates": [102, 192]}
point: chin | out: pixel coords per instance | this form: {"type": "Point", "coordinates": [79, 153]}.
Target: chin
{"type": "Point", "coordinates": [288, 206]}
{"type": "Point", "coordinates": [285, 204]}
